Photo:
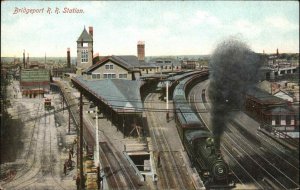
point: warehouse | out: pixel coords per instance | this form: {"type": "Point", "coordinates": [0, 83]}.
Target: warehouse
{"type": "Point", "coordinates": [270, 111]}
{"type": "Point", "coordinates": [34, 82]}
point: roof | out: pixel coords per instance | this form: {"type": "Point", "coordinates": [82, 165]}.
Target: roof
{"type": "Point", "coordinates": [121, 95]}
{"type": "Point", "coordinates": [35, 75]}
{"type": "Point", "coordinates": [280, 111]}
{"type": "Point", "coordinates": [128, 62]}
{"type": "Point", "coordinates": [264, 97]}
{"type": "Point", "coordinates": [85, 37]}
{"type": "Point", "coordinates": [191, 135]}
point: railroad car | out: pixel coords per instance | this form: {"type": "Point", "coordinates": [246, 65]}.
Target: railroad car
{"type": "Point", "coordinates": [198, 142]}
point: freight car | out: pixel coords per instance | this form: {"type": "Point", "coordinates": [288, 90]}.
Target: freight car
{"type": "Point", "coordinates": [199, 143]}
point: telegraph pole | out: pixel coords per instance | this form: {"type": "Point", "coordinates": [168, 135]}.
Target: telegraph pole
{"type": "Point", "coordinates": [97, 139]}
{"type": "Point", "coordinates": [81, 143]}
{"type": "Point", "coordinates": [97, 150]}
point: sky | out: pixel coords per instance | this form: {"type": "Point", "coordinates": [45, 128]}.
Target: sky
{"type": "Point", "coordinates": [166, 27]}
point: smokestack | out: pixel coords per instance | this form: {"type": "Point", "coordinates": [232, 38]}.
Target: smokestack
{"type": "Point", "coordinates": [68, 58]}
{"type": "Point", "coordinates": [91, 31]}
{"type": "Point", "coordinates": [24, 59]}
{"type": "Point", "coordinates": [141, 50]}
{"type": "Point", "coordinates": [234, 69]}
{"type": "Point", "coordinates": [27, 62]}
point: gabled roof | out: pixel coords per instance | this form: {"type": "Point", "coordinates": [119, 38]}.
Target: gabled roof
{"type": "Point", "coordinates": [283, 92]}
{"type": "Point", "coordinates": [128, 62]}
{"type": "Point", "coordinates": [85, 37]}
{"type": "Point", "coordinates": [264, 97]}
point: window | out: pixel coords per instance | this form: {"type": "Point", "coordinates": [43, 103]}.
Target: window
{"type": "Point", "coordinates": [109, 75]}
{"type": "Point", "coordinates": [109, 66]}
{"type": "Point", "coordinates": [85, 44]}
{"type": "Point", "coordinates": [84, 56]}
{"type": "Point", "coordinates": [277, 120]}
{"type": "Point", "coordinates": [123, 76]}
{"type": "Point", "coordinates": [96, 76]}
{"type": "Point", "coordinates": [288, 120]}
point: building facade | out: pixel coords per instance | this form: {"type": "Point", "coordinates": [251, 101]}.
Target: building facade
{"type": "Point", "coordinates": [114, 67]}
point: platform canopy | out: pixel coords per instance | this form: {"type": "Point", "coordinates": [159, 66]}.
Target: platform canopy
{"type": "Point", "coordinates": [123, 96]}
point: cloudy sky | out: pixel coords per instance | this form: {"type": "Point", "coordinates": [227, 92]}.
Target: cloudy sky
{"type": "Point", "coordinates": [168, 28]}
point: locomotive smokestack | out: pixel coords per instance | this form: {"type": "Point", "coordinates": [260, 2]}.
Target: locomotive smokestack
{"type": "Point", "coordinates": [234, 68]}
{"type": "Point", "coordinates": [68, 58]}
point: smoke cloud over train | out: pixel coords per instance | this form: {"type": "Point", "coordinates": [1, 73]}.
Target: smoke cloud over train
{"type": "Point", "coordinates": [234, 68]}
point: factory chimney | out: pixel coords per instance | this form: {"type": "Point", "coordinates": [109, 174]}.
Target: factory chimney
{"type": "Point", "coordinates": [141, 50]}
{"type": "Point", "coordinates": [24, 59]}
{"type": "Point", "coordinates": [27, 62]}
{"type": "Point", "coordinates": [91, 32]}
{"type": "Point", "coordinates": [68, 58]}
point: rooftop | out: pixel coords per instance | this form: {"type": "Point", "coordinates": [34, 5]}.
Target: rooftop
{"type": "Point", "coordinates": [85, 37]}
{"type": "Point", "coordinates": [121, 95]}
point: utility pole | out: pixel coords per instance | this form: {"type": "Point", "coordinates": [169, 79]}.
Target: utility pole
{"type": "Point", "coordinates": [81, 143]}
{"type": "Point", "coordinates": [167, 98]}
{"type": "Point", "coordinates": [97, 139]}
{"type": "Point", "coordinates": [97, 150]}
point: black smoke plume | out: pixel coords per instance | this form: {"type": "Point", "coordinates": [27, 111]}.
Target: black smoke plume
{"type": "Point", "coordinates": [234, 68]}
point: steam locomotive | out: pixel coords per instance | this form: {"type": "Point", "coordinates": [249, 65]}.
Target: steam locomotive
{"type": "Point", "coordinates": [199, 143]}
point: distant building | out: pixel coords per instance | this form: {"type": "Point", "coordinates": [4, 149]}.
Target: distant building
{"type": "Point", "coordinates": [271, 111]}
{"type": "Point", "coordinates": [166, 64]}
{"type": "Point", "coordinates": [34, 82]}
{"type": "Point", "coordinates": [85, 50]}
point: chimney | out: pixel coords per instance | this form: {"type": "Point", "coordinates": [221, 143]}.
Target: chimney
{"type": "Point", "coordinates": [27, 62]}
{"type": "Point", "coordinates": [68, 58]}
{"type": "Point", "coordinates": [24, 59]}
{"type": "Point", "coordinates": [91, 31]}
{"type": "Point", "coordinates": [141, 50]}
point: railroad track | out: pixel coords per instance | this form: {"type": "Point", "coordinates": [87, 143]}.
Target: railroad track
{"type": "Point", "coordinates": [115, 172]}
{"type": "Point", "coordinates": [173, 172]}
{"type": "Point", "coordinates": [27, 166]}
{"type": "Point", "coordinates": [275, 168]}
